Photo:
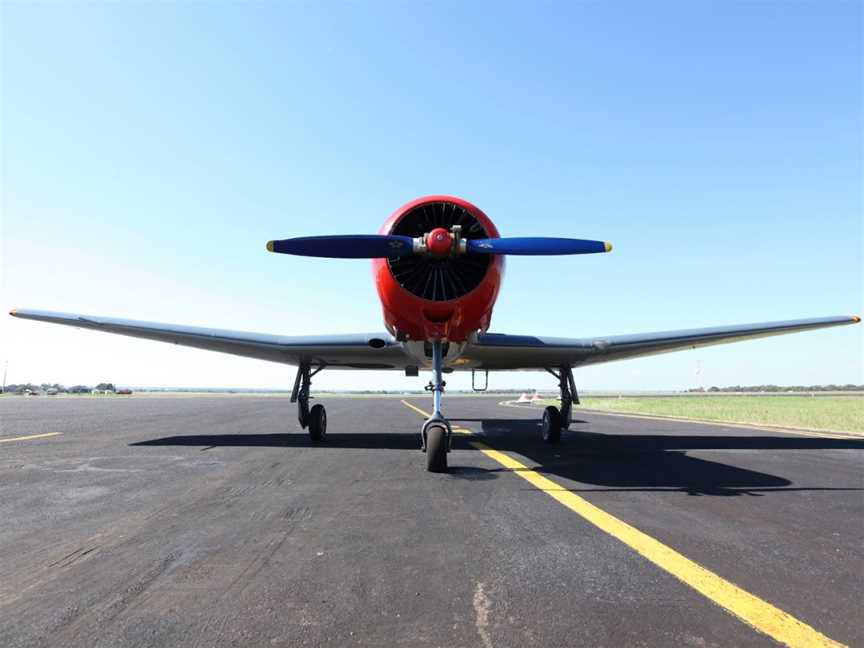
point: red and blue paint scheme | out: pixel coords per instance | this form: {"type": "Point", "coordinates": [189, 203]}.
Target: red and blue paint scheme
{"type": "Point", "coordinates": [413, 317]}
{"type": "Point", "coordinates": [437, 262]}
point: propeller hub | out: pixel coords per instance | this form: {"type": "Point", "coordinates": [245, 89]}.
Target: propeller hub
{"type": "Point", "coordinates": [438, 242]}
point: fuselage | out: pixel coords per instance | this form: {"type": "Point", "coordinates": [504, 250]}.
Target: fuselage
{"type": "Point", "coordinates": [447, 299]}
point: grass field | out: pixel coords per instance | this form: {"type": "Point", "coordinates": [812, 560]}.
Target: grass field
{"type": "Point", "coordinates": [842, 413]}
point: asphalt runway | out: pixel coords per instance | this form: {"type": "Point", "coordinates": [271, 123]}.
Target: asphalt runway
{"type": "Point", "coordinates": [214, 521]}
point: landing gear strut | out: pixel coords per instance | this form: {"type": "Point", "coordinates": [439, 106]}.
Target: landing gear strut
{"type": "Point", "coordinates": [316, 418]}
{"type": "Point", "coordinates": [553, 419]}
{"type": "Point", "coordinates": [436, 433]}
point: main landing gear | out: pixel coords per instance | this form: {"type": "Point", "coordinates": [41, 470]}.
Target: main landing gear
{"type": "Point", "coordinates": [555, 420]}
{"type": "Point", "coordinates": [436, 434]}
{"type": "Point", "coordinates": [316, 418]}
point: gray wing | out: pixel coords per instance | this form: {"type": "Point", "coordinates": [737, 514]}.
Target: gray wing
{"type": "Point", "coordinates": [351, 351]}
{"type": "Point", "coordinates": [497, 351]}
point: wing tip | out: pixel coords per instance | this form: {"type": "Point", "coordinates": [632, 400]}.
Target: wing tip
{"type": "Point", "coordinates": [14, 312]}
{"type": "Point", "coordinates": [856, 319]}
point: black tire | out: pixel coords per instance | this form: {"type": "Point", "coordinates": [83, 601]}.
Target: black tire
{"type": "Point", "coordinates": [436, 448]}
{"type": "Point", "coordinates": [317, 423]}
{"type": "Point", "coordinates": [551, 425]}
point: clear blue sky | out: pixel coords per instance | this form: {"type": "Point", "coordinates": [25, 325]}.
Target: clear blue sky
{"type": "Point", "coordinates": [149, 150]}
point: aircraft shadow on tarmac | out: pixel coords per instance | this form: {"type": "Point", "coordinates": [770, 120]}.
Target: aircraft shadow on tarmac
{"type": "Point", "coordinates": [653, 462]}
{"type": "Point", "coordinates": [611, 461]}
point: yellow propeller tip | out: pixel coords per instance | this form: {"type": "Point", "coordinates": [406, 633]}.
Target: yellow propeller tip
{"type": "Point", "coordinates": [269, 246]}
{"type": "Point", "coordinates": [13, 312]}
{"type": "Point", "coordinates": [856, 318]}
{"type": "Point", "coordinates": [607, 245]}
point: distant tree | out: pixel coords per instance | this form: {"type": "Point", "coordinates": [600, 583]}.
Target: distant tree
{"type": "Point", "coordinates": [783, 388]}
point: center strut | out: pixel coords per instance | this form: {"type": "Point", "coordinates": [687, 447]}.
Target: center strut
{"type": "Point", "coordinates": [436, 434]}
{"type": "Point", "coordinates": [437, 378]}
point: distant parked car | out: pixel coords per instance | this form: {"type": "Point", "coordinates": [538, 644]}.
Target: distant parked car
{"type": "Point", "coordinates": [125, 392]}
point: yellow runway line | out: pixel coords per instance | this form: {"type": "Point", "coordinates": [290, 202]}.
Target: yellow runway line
{"type": "Point", "coordinates": [809, 432]}
{"type": "Point", "coordinates": [31, 436]}
{"type": "Point", "coordinates": [758, 614]}
{"type": "Point", "coordinates": [457, 429]}
{"type": "Point", "coordinates": [416, 409]}
{"type": "Point", "coordinates": [819, 434]}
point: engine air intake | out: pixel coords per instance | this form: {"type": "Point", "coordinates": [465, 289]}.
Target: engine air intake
{"type": "Point", "coordinates": [439, 278]}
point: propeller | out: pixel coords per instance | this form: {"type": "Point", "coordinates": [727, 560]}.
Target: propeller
{"type": "Point", "coordinates": [540, 246]}
{"type": "Point", "coordinates": [346, 246]}
{"type": "Point", "coordinates": [439, 243]}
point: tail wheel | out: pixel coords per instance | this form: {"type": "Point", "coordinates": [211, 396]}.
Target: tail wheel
{"type": "Point", "coordinates": [551, 425]}
{"type": "Point", "coordinates": [436, 448]}
{"type": "Point", "coordinates": [317, 423]}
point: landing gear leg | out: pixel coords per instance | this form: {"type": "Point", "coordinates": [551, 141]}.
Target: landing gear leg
{"type": "Point", "coordinates": [553, 419]}
{"type": "Point", "coordinates": [436, 432]}
{"type": "Point", "coordinates": [316, 418]}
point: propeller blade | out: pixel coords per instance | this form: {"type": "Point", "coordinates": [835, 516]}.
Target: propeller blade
{"type": "Point", "coordinates": [540, 246]}
{"type": "Point", "coordinates": [360, 246]}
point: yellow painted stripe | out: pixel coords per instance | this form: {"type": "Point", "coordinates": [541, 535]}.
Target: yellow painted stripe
{"type": "Point", "coordinates": [755, 612]}
{"type": "Point", "coordinates": [811, 432]}
{"type": "Point", "coordinates": [456, 429]}
{"type": "Point", "coordinates": [819, 434]}
{"type": "Point", "coordinates": [416, 409]}
{"type": "Point", "coordinates": [31, 436]}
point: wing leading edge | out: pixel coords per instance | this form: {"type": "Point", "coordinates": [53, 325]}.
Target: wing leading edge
{"type": "Point", "coordinates": [350, 351]}
{"type": "Point", "coordinates": [497, 351]}
{"type": "Point", "coordinates": [493, 351]}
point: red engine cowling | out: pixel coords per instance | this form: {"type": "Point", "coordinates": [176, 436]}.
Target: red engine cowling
{"type": "Point", "coordinates": [429, 297]}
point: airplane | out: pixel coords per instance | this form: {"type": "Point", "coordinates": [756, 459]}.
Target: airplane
{"type": "Point", "coordinates": [438, 263]}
